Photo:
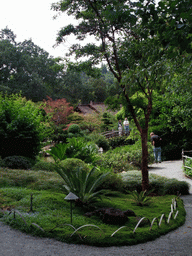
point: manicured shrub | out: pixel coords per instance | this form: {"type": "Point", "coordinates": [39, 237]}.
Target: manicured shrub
{"type": "Point", "coordinates": [17, 162]}
{"type": "Point", "coordinates": [132, 180]}
{"type": "Point", "coordinates": [1, 162]}
{"type": "Point", "coordinates": [44, 166]}
{"type": "Point", "coordinates": [74, 128]}
{"type": "Point", "coordinates": [174, 187]}
{"type": "Point", "coordinates": [159, 185]}
{"type": "Point", "coordinates": [113, 182]}
{"type": "Point", "coordinates": [21, 127]}
{"type": "Point", "coordinates": [72, 163]}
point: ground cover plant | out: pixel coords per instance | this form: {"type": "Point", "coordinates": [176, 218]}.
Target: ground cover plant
{"type": "Point", "coordinates": [188, 171]}
{"type": "Point", "coordinates": [51, 212]}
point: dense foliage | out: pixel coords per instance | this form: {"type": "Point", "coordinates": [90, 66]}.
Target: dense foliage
{"type": "Point", "coordinates": [21, 127]}
{"type": "Point", "coordinates": [75, 148]}
{"type": "Point", "coordinates": [27, 68]}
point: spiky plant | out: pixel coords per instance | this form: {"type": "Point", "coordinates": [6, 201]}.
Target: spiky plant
{"type": "Point", "coordinates": [142, 198]}
{"type": "Point", "coordinates": [83, 184]}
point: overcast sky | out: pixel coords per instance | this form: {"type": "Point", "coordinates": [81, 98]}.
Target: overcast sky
{"type": "Point", "coordinates": [34, 20]}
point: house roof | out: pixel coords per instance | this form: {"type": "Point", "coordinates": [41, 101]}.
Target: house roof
{"type": "Point", "coordinates": [90, 108]}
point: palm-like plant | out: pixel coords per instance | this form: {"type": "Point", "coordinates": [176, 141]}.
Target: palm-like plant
{"type": "Point", "coordinates": [141, 198]}
{"type": "Point", "coordinates": [58, 152]}
{"type": "Point", "coordinates": [82, 183]}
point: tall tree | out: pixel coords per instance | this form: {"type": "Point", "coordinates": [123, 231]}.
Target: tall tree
{"type": "Point", "coordinates": [132, 56]}
{"type": "Point", "coordinates": [26, 67]}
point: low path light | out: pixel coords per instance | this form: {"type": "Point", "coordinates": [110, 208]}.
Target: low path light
{"type": "Point", "coordinates": [71, 197]}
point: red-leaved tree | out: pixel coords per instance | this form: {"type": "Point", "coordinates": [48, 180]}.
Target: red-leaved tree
{"type": "Point", "coordinates": [59, 109]}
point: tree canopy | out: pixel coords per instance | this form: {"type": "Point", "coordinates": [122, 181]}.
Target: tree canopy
{"type": "Point", "coordinates": [26, 68]}
{"type": "Point", "coordinates": [134, 40]}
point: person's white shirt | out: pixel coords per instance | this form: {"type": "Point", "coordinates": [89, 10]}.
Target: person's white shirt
{"type": "Point", "coordinates": [126, 122]}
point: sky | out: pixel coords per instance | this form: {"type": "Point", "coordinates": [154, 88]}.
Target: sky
{"type": "Point", "coordinates": [34, 20]}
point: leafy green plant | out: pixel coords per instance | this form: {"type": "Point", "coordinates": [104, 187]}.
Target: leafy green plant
{"type": "Point", "coordinates": [79, 148]}
{"type": "Point", "coordinates": [188, 163]}
{"type": "Point", "coordinates": [22, 127]}
{"type": "Point", "coordinates": [58, 152]}
{"type": "Point", "coordinates": [82, 183]}
{"type": "Point", "coordinates": [141, 199]}
{"type": "Point", "coordinates": [117, 159]}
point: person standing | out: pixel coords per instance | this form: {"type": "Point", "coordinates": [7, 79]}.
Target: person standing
{"type": "Point", "coordinates": [156, 142]}
{"type": "Point", "coordinates": [126, 126]}
{"type": "Point", "coordinates": [120, 128]}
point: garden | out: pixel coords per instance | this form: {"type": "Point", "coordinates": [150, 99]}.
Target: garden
{"type": "Point", "coordinates": [187, 165]}
{"type": "Point", "coordinates": [110, 207]}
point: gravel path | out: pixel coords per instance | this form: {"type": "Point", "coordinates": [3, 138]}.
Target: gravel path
{"type": "Point", "coordinates": [177, 243]}
{"type": "Point", "coordinates": [171, 169]}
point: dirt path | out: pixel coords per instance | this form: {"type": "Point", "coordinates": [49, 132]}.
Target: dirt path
{"type": "Point", "coordinates": [177, 243]}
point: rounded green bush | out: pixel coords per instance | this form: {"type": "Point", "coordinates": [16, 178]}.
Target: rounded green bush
{"type": "Point", "coordinates": [113, 182]}
{"type": "Point", "coordinates": [74, 128]}
{"type": "Point", "coordinates": [45, 166]}
{"type": "Point", "coordinates": [16, 162]}
{"type": "Point", "coordinates": [72, 163]}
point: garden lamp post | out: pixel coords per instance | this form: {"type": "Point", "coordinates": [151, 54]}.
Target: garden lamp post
{"type": "Point", "coordinates": [71, 197]}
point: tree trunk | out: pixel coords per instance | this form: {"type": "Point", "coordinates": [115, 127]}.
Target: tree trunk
{"type": "Point", "coordinates": [144, 165]}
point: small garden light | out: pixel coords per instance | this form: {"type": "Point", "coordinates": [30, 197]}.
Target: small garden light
{"type": "Point", "coordinates": [71, 197]}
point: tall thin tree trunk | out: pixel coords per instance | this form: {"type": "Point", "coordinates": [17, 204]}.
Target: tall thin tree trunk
{"type": "Point", "coordinates": [144, 166]}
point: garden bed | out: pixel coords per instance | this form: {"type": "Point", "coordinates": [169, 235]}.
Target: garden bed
{"type": "Point", "coordinates": [50, 215]}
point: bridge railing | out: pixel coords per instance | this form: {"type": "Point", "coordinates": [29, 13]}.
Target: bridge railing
{"type": "Point", "coordinates": [110, 134]}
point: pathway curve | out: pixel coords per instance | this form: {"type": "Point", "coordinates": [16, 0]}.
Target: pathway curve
{"type": "Point", "coordinates": [177, 243]}
{"type": "Point", "coordinates": [171, 169]}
